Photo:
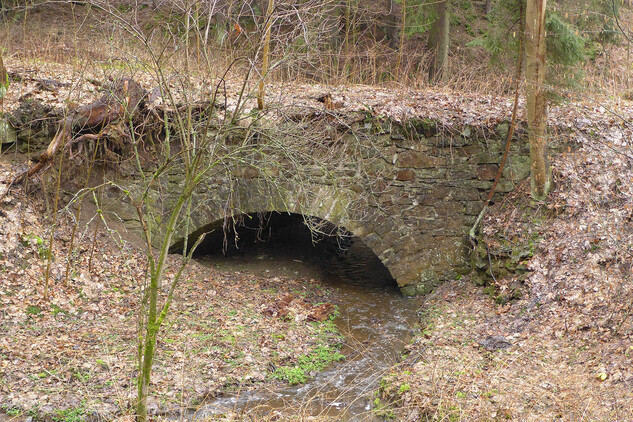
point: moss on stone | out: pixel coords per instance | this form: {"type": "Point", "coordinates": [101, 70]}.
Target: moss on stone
{"type": "Point", "coordinates": [426, 127]}
{"type": "Point", "coordinates": [408, 290]}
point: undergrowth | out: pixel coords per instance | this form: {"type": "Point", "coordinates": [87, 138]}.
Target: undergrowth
{"type": "Point", "coordinates": [325, 353]}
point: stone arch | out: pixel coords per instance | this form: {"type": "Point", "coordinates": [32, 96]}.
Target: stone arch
{"type": "Point", "coordinates": [338, 206]}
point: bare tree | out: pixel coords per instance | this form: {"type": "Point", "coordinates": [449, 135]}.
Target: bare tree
{"type": "Point", "coordinates": [403, 22]}
{"type": "Point", "coordinates": [265, 54]}
{"type": "Point", "coordinates": [4, 82]}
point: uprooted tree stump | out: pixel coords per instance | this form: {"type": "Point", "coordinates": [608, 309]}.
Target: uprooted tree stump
{"type": "Point", "coordinates": [123, 100]}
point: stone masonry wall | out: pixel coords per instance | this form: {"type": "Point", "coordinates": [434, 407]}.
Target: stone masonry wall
{"type": "Point", "coordinates": [410, 191]}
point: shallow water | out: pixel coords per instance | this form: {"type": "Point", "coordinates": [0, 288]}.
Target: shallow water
{"type": "Point", "coordinates": [375, 319]}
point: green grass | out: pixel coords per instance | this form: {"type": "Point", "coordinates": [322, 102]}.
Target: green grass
{"type": "Point", "coordinates": [13, 411]}
{"type": "Point", "coordinates": [326, 352]}
{"type": "Point", "coordinates": [72, 414]}
{"type": "Point", "coordinates": [33, 310]}
{"type": "Point", "coordinates": [314, 361]}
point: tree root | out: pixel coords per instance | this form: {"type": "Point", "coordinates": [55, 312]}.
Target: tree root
{"type": "Point", "coordinates": [124, 98]}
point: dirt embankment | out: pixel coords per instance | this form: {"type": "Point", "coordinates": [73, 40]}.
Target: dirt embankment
{"type": "Point", "coordinates": [554, 342]}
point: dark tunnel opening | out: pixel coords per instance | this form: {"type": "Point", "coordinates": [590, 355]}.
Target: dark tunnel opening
{"type": "Point", "coordinates": [272, 239]}
{"type": "Point", "coordinates": [246, 231]}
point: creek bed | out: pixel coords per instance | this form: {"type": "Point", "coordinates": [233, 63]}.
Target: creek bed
{"type": "Point", "coordinates": [374, 318]}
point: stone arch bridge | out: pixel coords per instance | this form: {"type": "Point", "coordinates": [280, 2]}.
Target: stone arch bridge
{"type": "Point", "coordinates": [411, 193]}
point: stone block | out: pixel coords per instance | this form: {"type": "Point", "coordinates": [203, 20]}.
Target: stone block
{"type": "Point", "coordinates": [472, 207]}
{"type": "Point", "coordinates": [462, 193]}
{"type": "Point", "coordinates": [424, 127]}
{"type": "Point", "coordinates": [517, 168]}
{"type": "Point", "coordinates": [406, 247]}
{"type": "Point", "coordinates": [423, 212]}
{"type": "Point", "coordinates": [390, 238]}
{"type": "Point", "coordinates": [425, 283]}
{"type": "Point", "coordinates": [502, 130]}
{"type": "Point", "coordinates": [476, 184]}
{"type": "Point", "coordinates": [486, 157]}
{"type": "Point", "coordinates": [441, 192]}
{"type": "Point", "coordinates": [385, 229]}
{"type": "Point", "coordinates": [460, 174]}
{"type": "Point", "coordinates": [431, 174]}
{"type": "Point", "coordinates": [449, 226]}
{"type": "Point", "coordinates": [405, 175]}
{"type": "Point", "coordinates": [387, 257]}
{"type": "Point", "coordinates": [404, 200]}
{"type": "Point", "coordinates": [377, 167]}
{"type": "Point", "coordinates": [487, 171]}
{"type": "Point", "coordinates": [249, 172]}
{"type": "Point", "coordinates": [409, 291]}
{"type": "Point", "coordinates": [417, 160]}
{"type": "Point", "coordinates": [505, 186]}
{"type": "Point", "coordinates": [468, 132]}
{"type": "Point", "coordinates": [373, 241]}
{"type": "Point", "coordinates": [423, 289]}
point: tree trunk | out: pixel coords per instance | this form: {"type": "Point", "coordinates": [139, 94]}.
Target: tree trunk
{"type": "Point", "coordinates": [265, 55]}
{"type": "Point", "coordinates": [488, 6]}
{"type": "Point", "coordinates": [403, 22]}
{"type": "Point", "coordinates": [212, 4]}
{"type": "Point", "coordinates": [147, 342]}
{"type": "Point", "coordinates": [350, 27]}
{"type": "Point", "coordinates": [332, 17]}
{"type": "Point", "coordinates": [537, 97]}
{"type": "Point", "coordinates": [438, 42]}
{"type": "Point", "coordinates": [148, 353]}
{"type": "Point", "coordinates": [4, 83]}
{"type": "Point", "coordinates": [6, 131]}
{"type": "Point", "coordinates": [392, 22]}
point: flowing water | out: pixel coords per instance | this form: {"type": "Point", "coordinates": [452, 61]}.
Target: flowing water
{"type": "Point", "coordinates": [375, 319]}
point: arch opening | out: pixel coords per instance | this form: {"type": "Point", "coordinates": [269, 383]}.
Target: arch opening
{"type": "Point", "coordinates": [271, 240]}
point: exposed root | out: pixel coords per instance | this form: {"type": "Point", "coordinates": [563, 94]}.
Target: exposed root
{"type": "Point", "coordinates": [124, 98]}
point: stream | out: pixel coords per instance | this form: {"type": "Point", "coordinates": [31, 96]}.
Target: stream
{"type": "Point", "coordinates": [374, 318]}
